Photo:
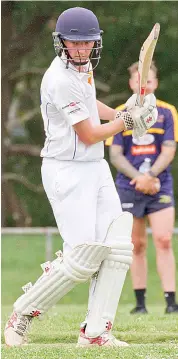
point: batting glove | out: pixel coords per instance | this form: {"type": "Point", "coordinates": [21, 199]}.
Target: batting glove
{"type": "Point", "coordinates": [143, 117]}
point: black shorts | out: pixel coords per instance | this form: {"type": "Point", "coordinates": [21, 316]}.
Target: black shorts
{"type": "Point", "coordinates": [140, 204]}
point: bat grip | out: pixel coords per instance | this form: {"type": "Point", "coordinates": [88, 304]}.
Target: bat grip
{"type": "Point", "coordinates": [139, 100]}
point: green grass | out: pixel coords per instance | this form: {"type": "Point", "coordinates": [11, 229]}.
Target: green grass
{"type": "Point", "coordinates": [153, 336]}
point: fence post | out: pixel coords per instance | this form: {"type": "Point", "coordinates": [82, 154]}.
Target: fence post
{"type": "Point", "coordinates": [49, 244]}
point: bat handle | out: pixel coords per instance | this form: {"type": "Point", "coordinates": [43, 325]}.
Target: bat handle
{"type": "Point", "coordinates": [139, 100]}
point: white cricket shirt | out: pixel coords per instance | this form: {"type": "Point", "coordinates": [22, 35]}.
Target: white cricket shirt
{"type": "Point", "coordinates": [68, 97]}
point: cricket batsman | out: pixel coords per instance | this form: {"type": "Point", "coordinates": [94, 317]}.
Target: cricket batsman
{"type": "Point", "coordinates": [79, 186]}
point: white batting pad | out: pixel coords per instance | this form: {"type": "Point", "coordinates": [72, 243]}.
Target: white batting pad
{"type": "Point", "coordinates": [60, 276]}
{"type": "Point", "coordinates": [111, 277]}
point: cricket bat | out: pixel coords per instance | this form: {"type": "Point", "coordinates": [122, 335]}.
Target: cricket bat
{"type": "Point", "coordinates": [145, 59]}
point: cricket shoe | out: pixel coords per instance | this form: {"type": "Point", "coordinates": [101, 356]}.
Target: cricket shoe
{"type": "Point", "coordinates": [16, 329]}
{"type": "Point", "coordinates": [105, 339]}
{"type": "Point", "coordinates": [139, 310]}
{"type": "Point", "coordinates": [172, 309]}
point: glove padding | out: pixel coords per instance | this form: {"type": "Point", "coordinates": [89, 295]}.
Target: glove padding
{"type": "Point", "coordinates": [143, 117]}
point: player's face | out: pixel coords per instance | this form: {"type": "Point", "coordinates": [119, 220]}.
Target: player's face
{"type": "Point", "coordinates": [152, 82]}
{"type": "Point", "coordinates": [79, 51]}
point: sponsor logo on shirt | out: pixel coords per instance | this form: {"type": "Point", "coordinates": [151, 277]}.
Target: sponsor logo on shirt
{"type": "Point", "coordinates": [71, 104]}
{"type": "Point", "coordinates": [73, 111]}
{"type": "Point", "coordinates": [164, 199]}
{"type": "Point", "coordinates": [127, 205]}
{"type": "Point", "coordinates": [72, 107]}
{"type": "Point", "coordinates": [143, 150]}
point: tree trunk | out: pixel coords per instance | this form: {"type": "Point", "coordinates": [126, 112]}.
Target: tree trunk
{"type": "Point", "coordinates": [6, 26]}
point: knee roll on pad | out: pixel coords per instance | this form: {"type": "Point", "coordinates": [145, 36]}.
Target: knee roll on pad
{"type": "Point", "coordinates": [60, 276]}
{"type": "Point", "coordinates": [120, 229]}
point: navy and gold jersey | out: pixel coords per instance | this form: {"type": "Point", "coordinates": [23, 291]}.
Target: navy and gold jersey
{"type": "Point", "coordinates": [165, 128]}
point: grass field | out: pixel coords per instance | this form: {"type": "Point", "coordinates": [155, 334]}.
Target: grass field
{"type": "Point", "coordinates": [153, 336]}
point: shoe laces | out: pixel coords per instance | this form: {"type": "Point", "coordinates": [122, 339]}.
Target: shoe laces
{"type": "Point", "coordinates": [23, 325]}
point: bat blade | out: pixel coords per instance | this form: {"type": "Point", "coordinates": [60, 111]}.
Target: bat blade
{"type": "Point", "coordinates": [145, 59]}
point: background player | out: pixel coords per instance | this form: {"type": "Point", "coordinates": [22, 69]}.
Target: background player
{"type": "Point", "coordinates": [137, 162]}
{"type": "Point", "coordinates": [79, 185]}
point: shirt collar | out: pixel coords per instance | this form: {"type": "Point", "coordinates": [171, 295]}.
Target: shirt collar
{"type": "Point", "coordinates": [72, 69]}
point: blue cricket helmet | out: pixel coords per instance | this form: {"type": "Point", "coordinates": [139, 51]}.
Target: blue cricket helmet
{"type": "Point", "coordinates": [78, 24]}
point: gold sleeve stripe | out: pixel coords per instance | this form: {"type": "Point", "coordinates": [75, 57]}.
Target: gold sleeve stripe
{"type": "Point", "coordinates": [121, 107]}
{"type": "Point", "coordinates": [174, 112]}
{"type": "Point", "coordinates": [109, 140]}
{"type": "Point", "coordinates": [127, 133]}
{"type": "Point", "coordinates": [159, 131]}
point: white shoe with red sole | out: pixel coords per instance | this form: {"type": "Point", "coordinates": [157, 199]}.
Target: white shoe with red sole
{"type": "Point", "coordinates": [16, 329]}
{"type": "Point", "coordinates": [105, 339]}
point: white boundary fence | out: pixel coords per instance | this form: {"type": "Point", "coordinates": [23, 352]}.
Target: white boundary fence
{"type": "Point", "coordinates": [47, 232]}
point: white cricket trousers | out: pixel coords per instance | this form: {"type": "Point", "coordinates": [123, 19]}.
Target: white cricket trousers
{"type": "Point", "coordinates": [83, 198]}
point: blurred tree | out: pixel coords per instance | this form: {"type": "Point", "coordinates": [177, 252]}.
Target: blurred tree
{"type": "Point", "coordinates": [15, 45]}
{"type": "Point", "coordinates": [27, 51]}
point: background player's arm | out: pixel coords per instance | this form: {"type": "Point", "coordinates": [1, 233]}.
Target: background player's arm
{"type": "Point", "coordinates": [121, 163]}
{"type": "Point", "coordinates": [166, 156]}
{"type": "Point", "coordinates": [143, 183]}
{"type": "Point", "coordinates": [168, 148]}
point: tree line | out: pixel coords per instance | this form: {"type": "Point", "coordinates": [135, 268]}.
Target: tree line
{"type": "Point", "coordinates": [27, 50]}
